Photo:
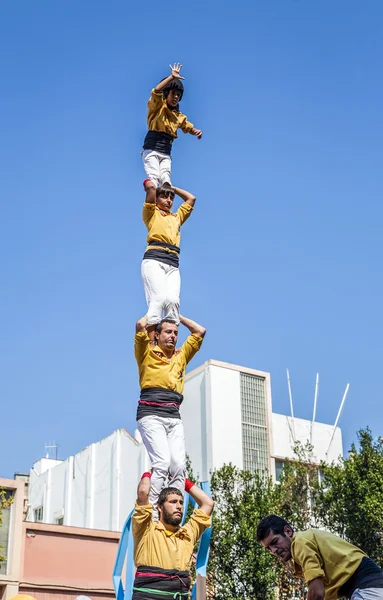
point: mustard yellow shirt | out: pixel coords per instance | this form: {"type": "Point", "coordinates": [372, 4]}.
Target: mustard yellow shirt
{"type": "Point", "coordinates": [318, 553]}
{"type": "Point", "coordinates": [155, 547]}
{"type": "Point", "coordinates": [165, 228]}
{"type": "Point", "coordinates": [162, 118]}
{"type": "Point", "coordinates": [156, 370]}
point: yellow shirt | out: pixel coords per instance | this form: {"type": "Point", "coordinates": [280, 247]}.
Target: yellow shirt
{"type": "Point", "coordinates": [154, 547]}
{"type": "Point", "coordinates": [162, 118]}
{"type": "Point", "coordinates": [156, 370]}
{"type": "Point", "coordinates": [318, 553]}
{"type": "Point", "coordinates": [165, 228]}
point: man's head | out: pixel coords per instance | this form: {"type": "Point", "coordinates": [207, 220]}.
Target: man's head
{"type": "Point", "coordinates": [166, 334]}
{"type": "Point", "coordinates": [164, 197]}
{"type": "Point", "coordinates": [171, 506]}
{"type": "Point", "coordinates": [275, 535]}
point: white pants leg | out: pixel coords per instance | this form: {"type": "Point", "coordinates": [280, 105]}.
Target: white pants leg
{"type": "Point", "coordinates": [165, 168]}
{"type": "Point", "coordinates": [151, 162]}
{"type": "Point", "coordinates": [162, 284]}
{"type": "Point", "coordinates": [157, 166]}
{"type": "Point", "coordinates": [171, 306]}
{"type": "Point", "coordinates": [368, 594]}
{"type": "Point", "coordinates": [176, 440]}
{"type": "Point", "coordinates": [153, 430]}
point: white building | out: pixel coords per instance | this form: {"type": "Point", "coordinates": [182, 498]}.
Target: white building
{"type": "Point", "coordinates": [228, 419]}
{"type": "Point", "coordinates": [96, 488]}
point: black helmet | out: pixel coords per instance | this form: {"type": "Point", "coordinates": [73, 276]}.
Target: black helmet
{"type": "Point", "coordinates": [175, 84]}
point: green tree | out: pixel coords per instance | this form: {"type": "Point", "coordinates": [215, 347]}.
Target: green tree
{"type": "Point", "coordinates": [351, 497]}
{"type": "Point", "coordinates": [5, 502]}
{"type": "Point", "coordinates": [239, 568]}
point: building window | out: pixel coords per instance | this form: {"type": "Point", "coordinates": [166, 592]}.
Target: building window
{"type": "Point", "coordinates": [38, 514]}
{"type": "Point", "coordinates": [60, 521]}
{"type": "Point", "coordinates": [6, 498]}
{"type": "Point", "coordinates": [279, 464]}
{"type": "Point", "coordinates": [254, 423]}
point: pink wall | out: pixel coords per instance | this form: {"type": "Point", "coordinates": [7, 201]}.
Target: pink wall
{"type": "Point", "coordinates": [62, 562]}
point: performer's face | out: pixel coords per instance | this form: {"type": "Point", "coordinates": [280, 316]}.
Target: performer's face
{"type": "Point", "coordinates": [171, 510]}
{"type": "Point", "coordinates": [278, 544]}
{"type": "Point", "coordinates": [173, 98]}
{"type": "Point", "coordinates": [168, 336]}
{"type": "Point", "coordinates": [165, 201]}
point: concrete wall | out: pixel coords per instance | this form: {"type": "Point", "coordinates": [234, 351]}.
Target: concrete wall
{"type": "Point", "coordinates": [226, 419]}
{"type": "Point", "coordinates": [197, 430]}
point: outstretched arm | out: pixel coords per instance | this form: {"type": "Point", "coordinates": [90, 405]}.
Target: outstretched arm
{"type": "Point", "coordinates": [150, 190]}
{"type": "Point", "coordinates": [202, 498]}
{"type": "Point", "coordinates": [143, 489]}
{"type": "Point", "coordinates": [175, 74]}
{"type": "Point", "coordinates": [184, 195]}
{"type": "Point", "coordinates": [193, 327]}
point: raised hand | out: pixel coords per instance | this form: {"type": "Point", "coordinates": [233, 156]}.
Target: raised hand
{"type": "Point", "coordinates": [176, 69]}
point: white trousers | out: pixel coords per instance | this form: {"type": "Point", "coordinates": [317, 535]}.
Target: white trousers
{"type": "Point", "coordinates": [164, 441]}
{"type": "Point", "coordinates": [157, 166]}
{"type": "Point", "coordinates": [162, 286]}
{"type": "Point", "coordinates": [368, 594]}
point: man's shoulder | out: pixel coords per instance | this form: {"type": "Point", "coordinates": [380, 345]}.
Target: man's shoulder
{"type": "Point", "coordinates": [316, 535]}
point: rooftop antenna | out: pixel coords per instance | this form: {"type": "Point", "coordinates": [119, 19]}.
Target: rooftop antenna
{"type": "Point", "coordinates": [315, 407]}
{"type": "Point", "coordinates": [337, 418]}
{"type": "Point", "coordinates": [51, 449]}
{"type": "Point", "coordinates": [292, 428]}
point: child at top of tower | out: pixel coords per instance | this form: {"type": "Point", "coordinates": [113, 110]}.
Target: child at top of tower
{"type": "Point", "coordinates": [164, 120]}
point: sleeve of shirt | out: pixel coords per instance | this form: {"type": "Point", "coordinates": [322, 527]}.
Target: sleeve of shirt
{"type": "Point", "coordinates": [141, 520]}
{"type": "Point", "coordinates": [154, 103]}
{"type": "Point", "coordinates": [184, 212]}
{"type": "Point", "coordinates": [148, 212]}
{"type": "Point", "coordinates": [190, 347]}
{"type": "Point", "coordinates": [306, 554]}
{"type": "Point", "coordinates": [184, 124]}
{"type": "Point", "coordinates": [141, 346]}
{"type": "Point", "coordinates": [198, 522]}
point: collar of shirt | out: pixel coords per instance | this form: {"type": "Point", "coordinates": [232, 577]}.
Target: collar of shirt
{"type": "Point", "coordinates": [181, 532]}
{"type": "Point", "coordinates": [157, 350]}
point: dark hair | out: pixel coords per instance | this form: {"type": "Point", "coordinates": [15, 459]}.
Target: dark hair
{"type": "Point", "coordinates": [175, 84]}
{"type": "Point", "coordinates": [165, 188]}
{"type": "Point", "coordinates": [159, 325]}
{"type": "Point", "coordinates": [166, 492]}
{"type": "Point", "coordinates": [271, 523]}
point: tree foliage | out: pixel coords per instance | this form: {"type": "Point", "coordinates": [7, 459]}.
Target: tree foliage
{"type": "Point", "coordinates": [351, 498]}
{"type": "Point", "coordinates": [239, 568]}
{"type": "Point", "coordinates": [345, 498]}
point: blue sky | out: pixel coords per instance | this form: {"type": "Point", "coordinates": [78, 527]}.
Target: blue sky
{"type": "Point", "coordinates": [282, 257]}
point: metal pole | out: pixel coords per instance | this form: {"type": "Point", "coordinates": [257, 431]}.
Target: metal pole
{"type": "Point", "coordinates": [291, 405]}
{"type": "Point", "coordinates": [315, 407]}
{"type": "Point", "coordinates": [337, 418]}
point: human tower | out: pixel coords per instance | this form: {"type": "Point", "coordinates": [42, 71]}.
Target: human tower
{"type": "Point", "coordinates": [162, 548]}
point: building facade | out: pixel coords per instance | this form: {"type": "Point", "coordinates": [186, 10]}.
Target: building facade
{"type": "Point", "coordinates": [52, 562]}
{"type": "Point", "coordinates": [227, 411]}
